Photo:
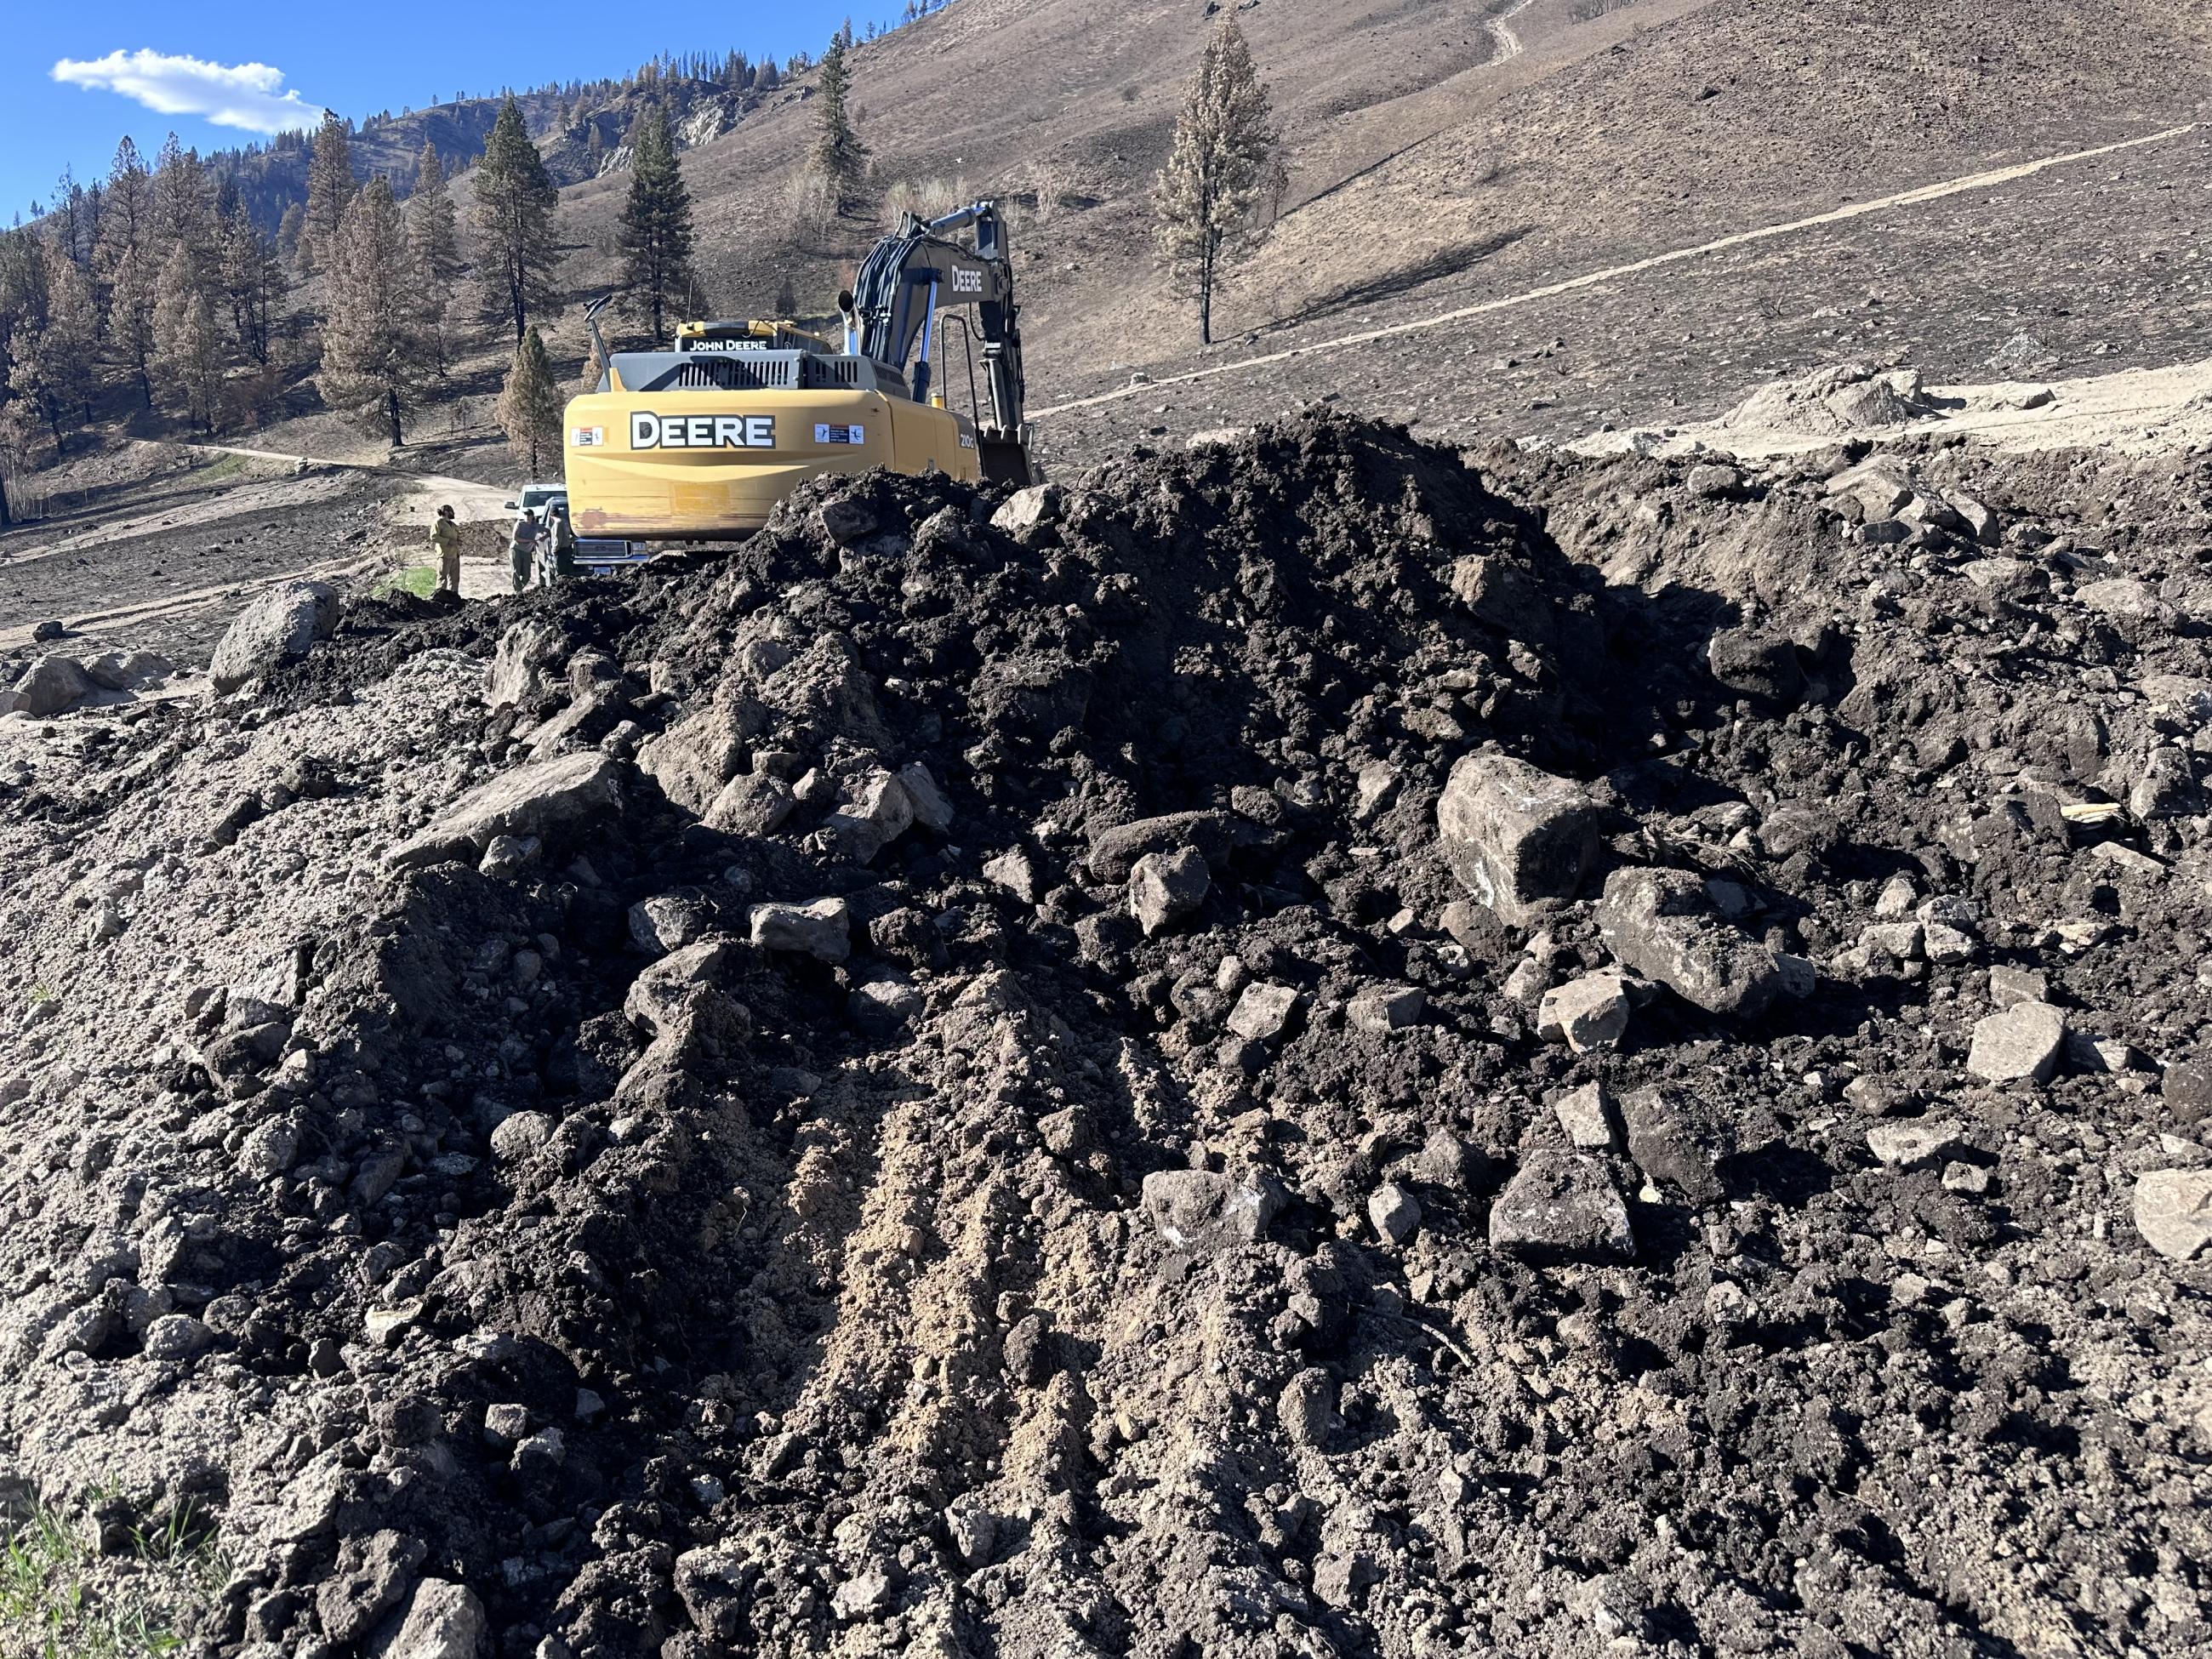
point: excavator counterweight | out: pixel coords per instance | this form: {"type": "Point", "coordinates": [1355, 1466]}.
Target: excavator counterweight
{"type": "Point", "coordinates": [700, 441]}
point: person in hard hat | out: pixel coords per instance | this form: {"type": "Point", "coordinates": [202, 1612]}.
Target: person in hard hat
{"type": "Point", "coordinates": [522, 548]}
{"type": "Point", "coordinates": [560, 555]}
{"type": "Point", "coordinates": [446, 543]}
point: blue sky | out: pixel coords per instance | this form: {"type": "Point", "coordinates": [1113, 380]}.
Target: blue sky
{"type": "Point", "coordinates": [245, 59]}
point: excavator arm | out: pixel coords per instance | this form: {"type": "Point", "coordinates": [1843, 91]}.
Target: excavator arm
{"type": "Point", "coordinates": [916, 271]}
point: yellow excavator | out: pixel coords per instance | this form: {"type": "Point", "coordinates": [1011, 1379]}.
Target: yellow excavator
{"type": "Point", "coordinates": [698, 442]}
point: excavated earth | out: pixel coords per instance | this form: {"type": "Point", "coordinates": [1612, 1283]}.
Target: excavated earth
{"type": "Point", "coordinates": [986, 1077]}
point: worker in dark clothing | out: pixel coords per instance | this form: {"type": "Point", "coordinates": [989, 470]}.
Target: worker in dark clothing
{"type": "Point", "coordinates": [522, 548]}
{"type": "Point", "coordinates": [559, 558]}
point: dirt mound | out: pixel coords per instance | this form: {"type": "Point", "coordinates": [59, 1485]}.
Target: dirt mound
{"type": "Point", "coordinates": [1296, 1046]}
{"type": "Point", "coordinates": [1842, 400]}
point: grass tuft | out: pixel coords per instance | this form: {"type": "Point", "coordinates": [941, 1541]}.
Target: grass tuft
{"type": "Point", "coordinates": [420, 580]}
{"type": "Point", "coordinates": [61, 1599]}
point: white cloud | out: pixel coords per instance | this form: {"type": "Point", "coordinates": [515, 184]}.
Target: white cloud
{"type": "Point", "coordinates": [230, 94]}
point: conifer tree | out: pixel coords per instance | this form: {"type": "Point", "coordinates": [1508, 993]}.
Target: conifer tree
{"type": "Point", "coordinates": [188, 355]}
{"type": "Point", "coordinates": [530, 407]}
{"type": "Point", "coordinates": [183, 216]}
{"type": "Point", "coordinates": [839, 155]}
{"type": "Point", "coordinates": [1224, 155]}
{"type": "Point", "coordinates": [130, 319]}
{"type": "Point", "coordinates": [126, 214]}
{"type": "Point", "coordinates": [432, 222]}
{"type": "Point", "coordinates": [252, 281]}
{"type": "Point", "coordinates": [330, 188]}
{"type": "Point", "coordinates": [375, 358]}
{"type": "Point", "coordinates": [656, 225]}
{"type": "Point", "coordinates": [515, 199]}
{"type": "Point", "coordinates": [70, 344]}
{"type": "Point", "coordinates": [291, 228]}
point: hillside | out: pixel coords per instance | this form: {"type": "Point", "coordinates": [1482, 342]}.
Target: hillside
{"type": "Point", "coordinates": [1445, 154]}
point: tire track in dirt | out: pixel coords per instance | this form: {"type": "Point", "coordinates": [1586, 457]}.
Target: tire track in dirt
{"type": "Point", "coordinates": [1914, 197]}
{"type": "Point", "coordinates": [1501, 30]}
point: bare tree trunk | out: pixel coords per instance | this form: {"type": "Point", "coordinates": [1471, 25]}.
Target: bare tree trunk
{"type": "Point", "coordinates": [392, 412]}
{"type": "Point", "coordinates": [5, 519]}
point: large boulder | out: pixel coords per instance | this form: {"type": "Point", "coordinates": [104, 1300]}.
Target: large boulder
{"type": "Point", "coordinates": [531, 800]}
{"type": "Point", "coordinates": [2023, 1043]}
{"type": "Point", "coordinates": [1519, 839]}
{"type": "Point", "coordinates": [527, 665]}
{"type": "Point", "coordinates": [1114, 851]}
{"type": "Point", "coordinates": [2174, 1212]}
{"type": "Point", "coordinates": [278, 627]}
{"type": "Point", "coordinates": [1666, 925]}
{"type": "Point", "coordinates": [48, 686]}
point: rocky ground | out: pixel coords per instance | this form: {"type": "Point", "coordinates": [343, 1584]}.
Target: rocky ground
{"type": "Point", "coordinates": [1306, 1046]}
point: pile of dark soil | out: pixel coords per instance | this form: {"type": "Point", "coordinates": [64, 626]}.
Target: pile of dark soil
{"type": "Point", "coordinates": [1297, 1047]}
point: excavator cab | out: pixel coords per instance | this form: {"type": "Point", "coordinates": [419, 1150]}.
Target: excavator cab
{"type": "Point", "coordinates": [701, 440]}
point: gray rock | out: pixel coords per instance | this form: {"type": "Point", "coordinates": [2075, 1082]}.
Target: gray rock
{"type": "Point", "coordinates": [1663, 924]}
{"type": "Point", "coordinates": [1586, 1013]}
{"type": "Point", "coordinates": [1587, 1116]}
{"type": "Point", "coordinates": [878, 813]}
{"type": "Point", "coordinates": [2188, 1091]}
{"type": "Point", "coordinates": [930, 809]}
{"type": "Point", "coordinates": [47, 629]}
{"type": "Point", "coordinates": [665, 922]}
{"type": "Point", "coordinates": [861, 1596]}
{"type": "Point", "coordinates": [2024, 1043]}
{"type": "Point", "coordinates": [520, 1135]}
{"type": "Point", "coordinates": [885, 1005]}
{"type": "Point", "coordinates": [1199, 1210]}
{"type": "Point", "coordinates": [1713, 480]}
{"type": "Point", "coordinates": [1562, 1206]}
{"type": "Point", "coordinates": [1115, 850]}
{"type": "Point", "coordinates": [278, 627]}
{"type": "Point", "coordinates": [1450, 1161]}
{"type": "Point", "coordinates": [822, 929]}
{"type": "Point", "coordinates": [1913, 1143]}
{"type": "Point", "coordinates": [530, 800]}
{"type": "Point", "coordinates": [1517, 838]}
{"type": "Point", "coordinates": [1757, 664]}
{"type": "Point", "coordinates": [373, 1576]}
{"type": "Point", "coordinates": [1165, 887]}
{"type": "Point", "coordinates": [1017, 871]}
{"type": "Point", "coordinates": [506, 857]}
{"type": "Point", "coordinates": [751, 804]}
{"type": "Point", "coordinates": [269, 1151]}
{"type": "Point", "coordinates": [1306, 1410]}
{"type": "Point", "coordinates": [1025, 510]}
{"type": "Point", "coordinates": [2174, 1212]}
{"type": "Point", "coordinates": [527, 666]}
{"type": "Point", "coordinates": [176, 1336]}
{"type": "Point", "coordinates": [2011, 987]}
{"type": "Point", "coordinates": [1980, 519]}
{"type": "Point", "coordinates": [2167, 788]}
{"type": "Point", "coordinates": [49, 685]}
{"type": "Point", "coordinates": [973, 1531]}
{"type": "Point", "coordinates": [1379, 1009]}
{"type": "Point", "coordinates": [2122, 596]}
{"type": "Point", "coordinates": [848, 520]}
{"type": "Point", "coordinates": [1264, 1011]}
{"type": "Point", "coordinates": [1677, 1138]}
{"type": "Point", "coordinates": [1396, 1212]}
{"type": "Point", "coordinates": [444, 1621]}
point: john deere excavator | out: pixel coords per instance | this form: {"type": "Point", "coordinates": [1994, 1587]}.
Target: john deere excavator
{"type": "Point", "coordinates": [699, 442]}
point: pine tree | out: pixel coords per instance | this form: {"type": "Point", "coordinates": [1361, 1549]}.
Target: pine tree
{"type": "Point", "coordinates": [515, 199]}
{"type": "Point", "coordinates": [656, 224]}
{"type": "Point", "coordinates": [530, 407]}
{"type": "Point", "coordinates": [375, 359]}
{"type": "Point", "coordinates": [839, 155]}
{"type": "Point", "coordinates": [126, 215]}
{"type": "Point", "coordinates": [182, 214]}
{"type": "Point", "coordinates": [291, 230]}
{"type": "Point", "coordinates": [1224, 155]}
{"type": "Point", "coordinates": [252, 281]}
{"type": "Point", "coordinates": [70, 344]}
{"type": "Point", "coordinates": [187, 357]}
{"type": "Point", "coordinates": [330, 188]}
{"type": "Point", "coordinates": [595, 152]}
{"type": "Point", "coordinates": [432, 220]}
{"type": "Point", "coordinates": [130, 319]}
